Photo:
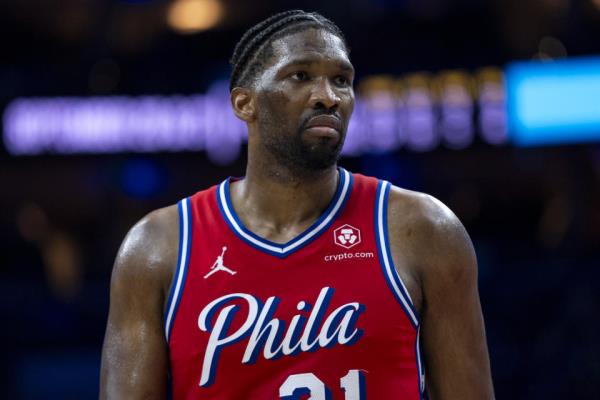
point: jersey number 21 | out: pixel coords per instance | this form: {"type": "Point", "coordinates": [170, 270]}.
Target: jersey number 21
{"type": "Point", "coordinates": [353, 385]}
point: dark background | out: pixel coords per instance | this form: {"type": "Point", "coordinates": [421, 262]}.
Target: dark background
{"type": "Point", "coordinates": [533, 214]}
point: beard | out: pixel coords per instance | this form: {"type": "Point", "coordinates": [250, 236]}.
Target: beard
{"type": "Point", "coordinates": [293, 150]}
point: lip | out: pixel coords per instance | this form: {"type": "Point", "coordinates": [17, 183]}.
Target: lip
{"type": "Point", "coordinates": [325, 121]}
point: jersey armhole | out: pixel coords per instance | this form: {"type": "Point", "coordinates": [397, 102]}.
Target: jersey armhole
{"type": "Point", "coordinates": [390, 273]}
{"type": "Point", "coordinates": [392, 277]}
{"type": "Point", "coordinates": [183, 257]}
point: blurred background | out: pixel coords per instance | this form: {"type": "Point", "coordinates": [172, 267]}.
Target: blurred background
{"type": "Point", "coordinates": [112, 108]}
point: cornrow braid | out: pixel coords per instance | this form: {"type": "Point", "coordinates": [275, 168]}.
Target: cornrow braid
{"type": "Point", "coordinates": [253, 50]}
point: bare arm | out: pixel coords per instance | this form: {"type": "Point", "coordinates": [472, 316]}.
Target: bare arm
{"type": "Point", "coordinates": [441, 269]}
{"type": "Point", "coordinates": [454, 344]}
{"type": "Point", "coordinates": [134, 356]}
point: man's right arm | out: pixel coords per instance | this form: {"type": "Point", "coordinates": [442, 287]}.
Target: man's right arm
{"type": "Point", "coordinates": [134, 355]}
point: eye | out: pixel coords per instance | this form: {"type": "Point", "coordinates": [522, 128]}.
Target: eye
{"type": "Point", "coordinates": [341, 80]}
{"type": "Point", "coordinates": [300, 76]}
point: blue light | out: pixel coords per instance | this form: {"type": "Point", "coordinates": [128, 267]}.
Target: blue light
{"type": "Point", "coordinates": [555, 102]}
{"type": "Point", "coordinates": [142, 178]}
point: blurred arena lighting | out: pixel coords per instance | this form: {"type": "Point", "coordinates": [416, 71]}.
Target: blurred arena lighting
{"type": "Point", "coordinates": [554, 102]}
{"type": "Point", "coordinates": [456, 116]}
{"type": "Point", "coordinates": [379, 111]}
{"type": "Point", "coordinates": [419, 112]}
{"type": "Point", "coordinates": [191, 16]}
{"type": "Point", "coordinates": [492, 105]}
{"type": "Point", "coordinates": [419, 116]}
{"type": "Point", "coordinates": [123, 124]}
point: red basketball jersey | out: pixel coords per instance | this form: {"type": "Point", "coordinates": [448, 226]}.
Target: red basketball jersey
{"type": "Point", "coordinates": [324, 316]}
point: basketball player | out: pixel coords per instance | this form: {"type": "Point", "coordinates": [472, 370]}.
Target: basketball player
{"type": "Point", "coordinates": [300, 280]}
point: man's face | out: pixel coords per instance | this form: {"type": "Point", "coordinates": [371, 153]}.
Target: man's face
{"type": "Point", "coordinates": [305, 99]}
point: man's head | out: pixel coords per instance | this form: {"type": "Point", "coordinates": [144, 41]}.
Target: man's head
{"type": "Point", "coordinates": [292, 83]}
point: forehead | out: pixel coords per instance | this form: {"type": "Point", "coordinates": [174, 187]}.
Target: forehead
{"type": "Point", "coordinates": [310, 43]}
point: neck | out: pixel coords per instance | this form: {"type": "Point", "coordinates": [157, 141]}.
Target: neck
{"type": "Point", "coordinates": [277, 203]}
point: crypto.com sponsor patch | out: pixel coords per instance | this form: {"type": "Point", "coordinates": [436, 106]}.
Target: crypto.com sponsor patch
{"type": "Point", "coordinates": [349, 256]}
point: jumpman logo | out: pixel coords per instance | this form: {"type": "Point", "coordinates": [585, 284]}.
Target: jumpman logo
{"type": "Point", "coordinates": [218, 265]}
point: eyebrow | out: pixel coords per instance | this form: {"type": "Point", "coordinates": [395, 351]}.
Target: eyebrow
{"type": "Point", "coordinates": [346, 66]}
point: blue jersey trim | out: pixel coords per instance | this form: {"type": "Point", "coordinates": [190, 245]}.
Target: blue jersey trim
{"type": "Point", "coordinates": [335, 207]}
{"type": "Point", "coordinates": [420, 369]}
{"type": "Point", "coordinates": [183, 260]}
{"type": "Point", "coordinates": [383, 248]}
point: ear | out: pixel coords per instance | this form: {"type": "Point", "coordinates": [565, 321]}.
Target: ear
{"type": "Point", "coordinates": [242, 102]}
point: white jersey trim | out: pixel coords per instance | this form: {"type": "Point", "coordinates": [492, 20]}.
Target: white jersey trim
{"type": "Point", "coordinates": [182, 265]}
{"type": "Point", "coordinates": [282, 250]}
{"type": "Point", "coordinates": [391, 274]}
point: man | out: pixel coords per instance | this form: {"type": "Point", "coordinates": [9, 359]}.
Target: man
{"type": "Point", "coordinates": [301, 279]}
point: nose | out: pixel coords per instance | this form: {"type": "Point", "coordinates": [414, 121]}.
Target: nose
{"type": "Point", "coordinates": [323, 95]}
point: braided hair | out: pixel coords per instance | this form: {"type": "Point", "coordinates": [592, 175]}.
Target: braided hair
{"type": "Point", "coordinates": [254, 48]}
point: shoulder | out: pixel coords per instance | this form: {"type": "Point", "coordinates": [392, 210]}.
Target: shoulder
{"type": "Point", "coordinates": [431, 233]}
{"type": "Point", "coordinates": [421, 210]}
{"type": "Point", "coordinates": [149, 250]}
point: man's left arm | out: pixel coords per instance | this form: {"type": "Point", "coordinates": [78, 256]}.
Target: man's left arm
{"type": "Point", "coordinates": [452, 328]}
